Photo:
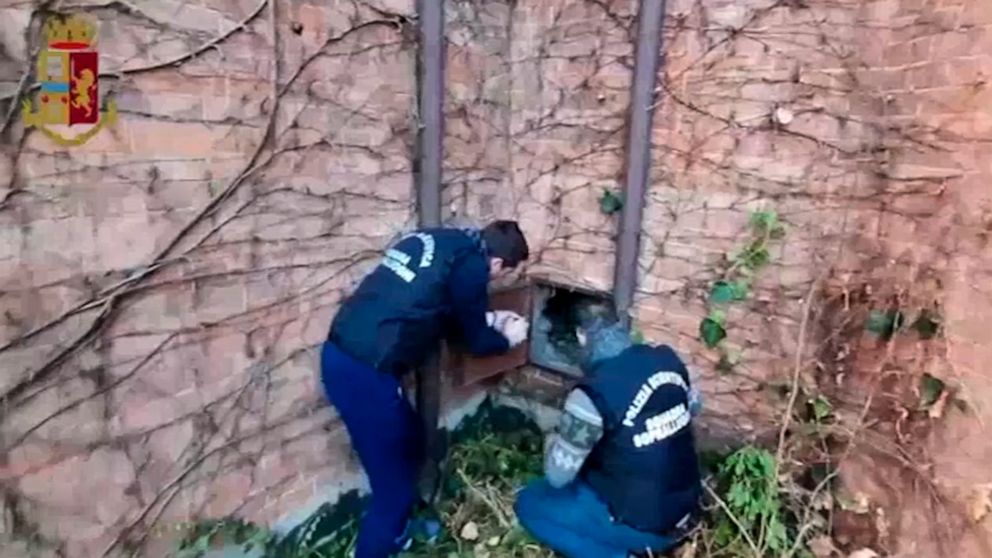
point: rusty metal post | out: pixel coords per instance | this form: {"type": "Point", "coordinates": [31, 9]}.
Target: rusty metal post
{"type": "Point", "coordinates": [431, 130]}
{"type": "Point", "coordinates": [430, 77]}
{"type": "Point", "coordinates": [649, 43]}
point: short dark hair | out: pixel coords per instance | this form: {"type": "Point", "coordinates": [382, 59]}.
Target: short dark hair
{"type": "Point", "coordinates": [505, 241]}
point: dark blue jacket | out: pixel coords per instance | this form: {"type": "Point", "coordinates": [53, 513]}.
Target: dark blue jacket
{"type": "Point", "coordinates": [645, 466]}
{"type": "Point", "coordinates": [432, 284]}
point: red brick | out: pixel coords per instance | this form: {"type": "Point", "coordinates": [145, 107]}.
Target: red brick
{"type": "Point", "coordinates": [974, 13]}
{"type": "Point", "coordinates": [139, 411]}
{"type": "Point", "coordinates": [27, 458]}
{"type": "Point", "coordinates": [910, 52]}
{"type": "Point", "coordinates": [963, 41]}
{"type": "Point", "coordinates": [217, 302]}
{"type": "Point", "coordinates": [969, 72]}
{"type": "Point", "coordinates": [167, 82]}
{"type": "Point", "coordinates": [151, 138]}
{"type": "Point", "coordinates": [101, 497]}
{"type": "Point", "coordinates": [227, 493]}
{"type": "Point", "coordinates": [927, 76]}
{"type": "Point", "coordinates": [170, 105]}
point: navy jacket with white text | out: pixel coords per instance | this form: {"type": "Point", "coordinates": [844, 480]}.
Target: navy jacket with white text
{"type": "Point", "coordinates": [431, 284]}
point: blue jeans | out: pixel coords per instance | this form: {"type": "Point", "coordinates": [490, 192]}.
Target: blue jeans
{"type": "Point", "coordinates": [385, 433]}
{"type": "Point", "coordinates": [575, 522]}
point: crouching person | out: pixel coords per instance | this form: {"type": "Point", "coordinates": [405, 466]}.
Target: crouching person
{"type": "Point", "coordinates": [432, 283]}
{"type": "Point", "coordinates": [621, 472]}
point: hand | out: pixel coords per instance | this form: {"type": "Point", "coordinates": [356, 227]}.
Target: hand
{"type": "Point", "coordinates": [497, 319]}
{"type": "Point", "coordinates": [515, 330]}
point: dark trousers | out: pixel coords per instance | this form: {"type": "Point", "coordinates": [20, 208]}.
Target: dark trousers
{"type": "Point", "coordinates": [385, 433]}
{"type": "Point", "coordinates": [576, 523]}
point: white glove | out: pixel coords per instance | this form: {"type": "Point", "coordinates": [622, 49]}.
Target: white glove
{"type": "Point", "coordinates": [515, 330]}
{"type": "Point", "coordinates": [498, 319]}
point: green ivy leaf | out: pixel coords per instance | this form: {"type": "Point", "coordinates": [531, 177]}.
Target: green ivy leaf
{"type": "Point", "coordinates": [718, 316]}
{"type": "Point", "coordinates": [741, 289]}
{"type": "Point", "coordinates": [610, 202]}
{"type": "Point", "coordinates": [822, 408]}
{"type": "Point", "coordinates": [754, 257]}
{"type": "Point", "coordinates": [927, 324]}
{"type": "Point", "coordinates": [711, 329]}
{"type": "Point", "coordinates": [767, 223]}
{"type": "Point", "coordinates": [764, 219]}
{"type": "Point", "coordinates": [931, 389]}
{"type": "Point", "coordinates": [884, 323]}
{"type": "Point", "coordinates": [777, 535]}
{"type": "Point", "coordinates": [722, 293]}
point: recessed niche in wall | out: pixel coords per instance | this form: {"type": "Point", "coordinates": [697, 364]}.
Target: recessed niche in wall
{"type": "Point", "coordinates": [553, 309]}
{"type": "Point", "coordinates": [556, 310]}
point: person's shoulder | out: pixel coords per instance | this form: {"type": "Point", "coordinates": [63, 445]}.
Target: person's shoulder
{"type": "Point", "coordinates": [449, 231]}
{"type": "Point", "coordinates": [665, 354]}
{"type": "Point", "coordinates": [660, 349]}
{"type": "Point", "coordinates": [666, 358]}
{"type": "Point", "coordinates": [460, 239]}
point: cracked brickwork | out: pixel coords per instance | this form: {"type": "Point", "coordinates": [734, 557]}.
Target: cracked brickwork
{"type": "Point", "coordinates": [166, 285]}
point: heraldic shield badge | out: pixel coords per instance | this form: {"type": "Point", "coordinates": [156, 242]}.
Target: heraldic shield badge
{"type": "Point", "coordinates": [68, 74]}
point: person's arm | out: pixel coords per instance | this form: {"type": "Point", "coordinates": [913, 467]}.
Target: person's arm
{"type": "Point", "coordinates": [579, 429]}
{"type": "Point", "coordinates": [468, 286]}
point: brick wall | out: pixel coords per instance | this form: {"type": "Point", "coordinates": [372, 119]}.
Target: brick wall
{"type": "Point", "coordinates": [169, 358]}
{"type": "Point", "coordinates": [928, 68]}
{"type": "Point", "coordinates": [162, 347]}
{"type": "Point", "coordinates": [862, 124]}
{"type": "Point", "coordinates": [717, 157]}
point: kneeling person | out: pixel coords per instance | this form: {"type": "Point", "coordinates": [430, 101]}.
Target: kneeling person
{"type": "Point", "coordinates": [622, 474]}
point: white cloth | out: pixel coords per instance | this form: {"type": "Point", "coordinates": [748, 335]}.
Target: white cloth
{"type": "Point", "coordinates": [515, 330]}
{"type": "Point", "coordinates": [513, 326]}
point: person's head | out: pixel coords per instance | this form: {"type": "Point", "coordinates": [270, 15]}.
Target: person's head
{"type": "Point", "coordinates": [506, 245]}
{"type": "Point", "coordinates": [600, 334]}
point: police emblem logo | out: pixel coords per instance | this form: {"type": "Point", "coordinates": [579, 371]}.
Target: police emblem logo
{"type": "Point", "coordinates": [68, 102]}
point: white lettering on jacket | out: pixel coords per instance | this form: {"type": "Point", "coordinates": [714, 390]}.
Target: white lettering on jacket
{"type": "Point", "coordinates": [398, 262]}
{"type": "Point", "coordinates": [663, 426]}
{"type": "Point", "coordinates": [657, 380]}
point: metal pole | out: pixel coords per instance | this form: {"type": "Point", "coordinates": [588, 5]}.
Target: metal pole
{"type": "Point", "coordinates": [430, 134]}
{"type": "Point", "coordinates": [431, 14]}
{"type": "Point", "coordinates": [649, 43]}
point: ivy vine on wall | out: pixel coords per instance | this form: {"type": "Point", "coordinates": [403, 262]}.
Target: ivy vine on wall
{"type": "Point", "coordinates": [735, 283]}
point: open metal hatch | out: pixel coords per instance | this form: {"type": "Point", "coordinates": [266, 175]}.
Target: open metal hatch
{"type": "Point", "coordinates": [550, 306]}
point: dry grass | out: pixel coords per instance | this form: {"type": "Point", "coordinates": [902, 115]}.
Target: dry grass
{"type": "Point", "coordinates": [477, 510]}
